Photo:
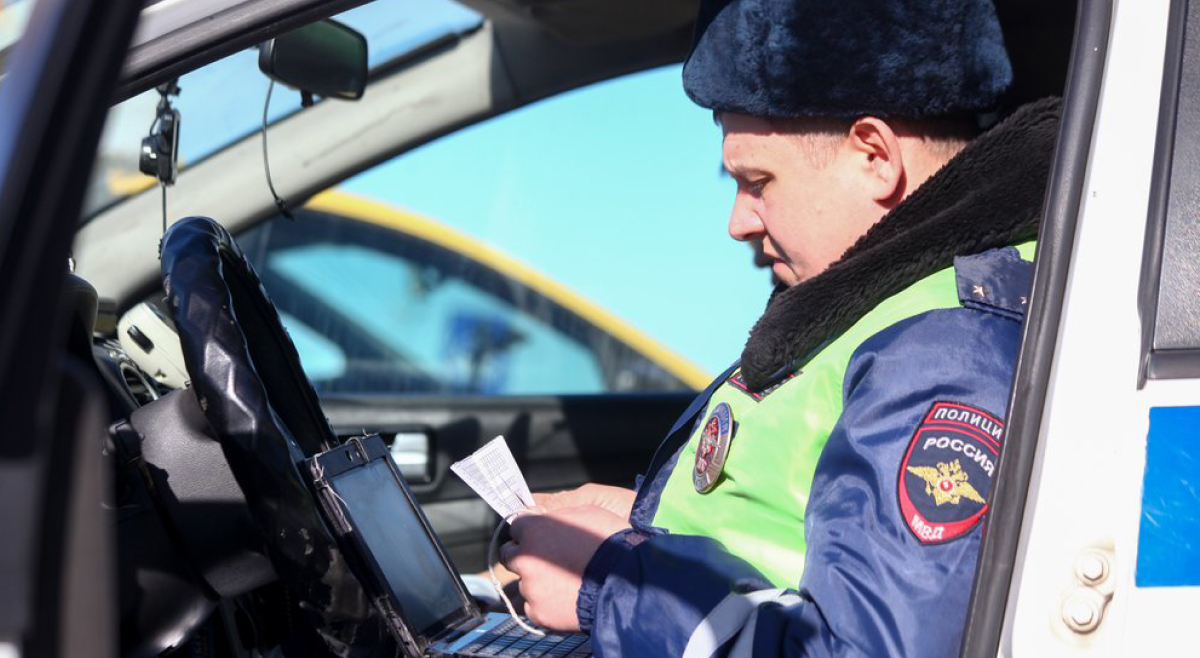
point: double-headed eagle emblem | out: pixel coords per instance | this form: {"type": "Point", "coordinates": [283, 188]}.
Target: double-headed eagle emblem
{"type": "Point", "coordinates": [947, 483]}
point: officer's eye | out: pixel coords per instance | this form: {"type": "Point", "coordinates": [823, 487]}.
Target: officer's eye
{"type": "Point", "coordinates": [750, 180]}
{"type": "Point", "coordinates": [756, 186]}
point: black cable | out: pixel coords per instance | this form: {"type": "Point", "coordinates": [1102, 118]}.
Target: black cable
{"type": "Point", "coordinates": [162, 100]}
{"type": "Point", "coordinates": [279, 203]}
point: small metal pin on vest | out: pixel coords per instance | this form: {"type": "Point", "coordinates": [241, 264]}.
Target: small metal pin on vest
{"type": "Point", "coordinates": [979, 291]}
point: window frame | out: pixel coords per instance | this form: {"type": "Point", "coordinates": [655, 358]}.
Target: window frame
{"type": "Point", "coordinates": [1159, 363]}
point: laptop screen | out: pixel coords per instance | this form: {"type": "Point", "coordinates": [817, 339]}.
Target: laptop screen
{"type": "Point", "coordinates": [387, 523]}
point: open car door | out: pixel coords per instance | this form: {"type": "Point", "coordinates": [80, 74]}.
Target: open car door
{"type": "Point", "coordinates": [1091, 544]}
{"type": "Point", "coordinates": [56, 581]}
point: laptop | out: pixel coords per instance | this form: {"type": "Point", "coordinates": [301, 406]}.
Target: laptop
{"type": "Point", "coordinates": [402, 564]}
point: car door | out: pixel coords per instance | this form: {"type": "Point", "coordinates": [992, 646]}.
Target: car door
{"type": "Point", "coordinates": [1091, 542]}
{"type": "Point", "coordinates": [56, 593]}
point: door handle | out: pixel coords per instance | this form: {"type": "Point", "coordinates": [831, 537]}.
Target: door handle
{"type": "Point", "coordinates": [410, 450]}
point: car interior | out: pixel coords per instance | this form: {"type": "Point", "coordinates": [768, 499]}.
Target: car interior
{"type": "Point", "coordinates": [209, 409]}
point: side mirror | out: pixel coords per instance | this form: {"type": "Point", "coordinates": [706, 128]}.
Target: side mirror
{"type": "Point", "coordinates": [325, 58]}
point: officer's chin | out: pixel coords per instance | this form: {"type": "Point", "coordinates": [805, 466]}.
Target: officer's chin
{"type": "Point", "coordinates": [782, 275]}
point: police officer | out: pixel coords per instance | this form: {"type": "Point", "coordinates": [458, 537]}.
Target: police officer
{"type": "Point", "coordinates": [825, 496]}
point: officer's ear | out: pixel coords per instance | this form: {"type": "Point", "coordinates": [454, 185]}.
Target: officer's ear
{"type": "Point", "coordinates": [878, 160]}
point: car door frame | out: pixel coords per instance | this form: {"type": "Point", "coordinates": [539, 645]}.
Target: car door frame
{"type": "Point", "coordinates": [998, 558]}
{"type": "Point", "coordinates": [53, 98]}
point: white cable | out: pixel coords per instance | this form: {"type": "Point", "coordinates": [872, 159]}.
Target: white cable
{"type": "Point", "coordinates": [341, 508]}
{"type": "Point", "coordinates": [492, 558]}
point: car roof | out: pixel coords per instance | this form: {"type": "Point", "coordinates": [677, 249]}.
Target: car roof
{"type": "Point", "coordinates": [549, 45]}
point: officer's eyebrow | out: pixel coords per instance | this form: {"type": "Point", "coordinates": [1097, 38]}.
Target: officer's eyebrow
{"type": "Point", "coordinates": [743, 172]}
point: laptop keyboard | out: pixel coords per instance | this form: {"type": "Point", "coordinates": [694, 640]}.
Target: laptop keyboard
{"type": "Point", "coordinates": [507, 640]}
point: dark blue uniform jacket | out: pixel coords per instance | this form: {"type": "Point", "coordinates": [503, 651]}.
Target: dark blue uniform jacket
{"type": "Point", "coordinates": [889, 568]}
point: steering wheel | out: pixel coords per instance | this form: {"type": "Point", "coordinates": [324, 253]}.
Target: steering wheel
{"type": "Point", "coordinates": [247, 378]}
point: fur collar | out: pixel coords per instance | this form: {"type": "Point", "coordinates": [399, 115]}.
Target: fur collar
{"type": "Point", "coordinates": [989, 195]}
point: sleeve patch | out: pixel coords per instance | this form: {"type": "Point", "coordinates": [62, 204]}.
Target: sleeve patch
{"type": "Point", "coordinates": [948, 470]}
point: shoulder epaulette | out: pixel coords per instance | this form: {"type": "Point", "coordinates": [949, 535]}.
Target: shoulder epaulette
{"type": "Point", "coordinates": [995, 281]}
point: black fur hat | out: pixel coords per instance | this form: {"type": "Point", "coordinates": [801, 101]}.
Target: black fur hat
{"type": "Point", "coordinates": [843, 58]}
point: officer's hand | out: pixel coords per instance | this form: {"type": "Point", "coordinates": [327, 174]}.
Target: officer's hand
{"type": "Point", "coordinates": [550, 552]}
{"type": "Point", "coordinates": [617, 500]}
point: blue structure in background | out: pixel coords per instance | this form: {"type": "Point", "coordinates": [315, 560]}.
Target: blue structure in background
{"type": "Point", "coordinates": [1169, 536]}
{"type": "Point", "coordinates": [477, 353]}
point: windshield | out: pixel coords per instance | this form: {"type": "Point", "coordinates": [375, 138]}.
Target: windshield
{"type": "Point", "coordinates": [223, 102]}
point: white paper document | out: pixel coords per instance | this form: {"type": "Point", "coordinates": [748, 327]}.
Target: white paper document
{"type": "Point", "coordinates": [493, 473]}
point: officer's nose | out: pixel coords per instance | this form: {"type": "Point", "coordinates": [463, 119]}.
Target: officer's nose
{"type": "Point", "coordinates": [744, 221]}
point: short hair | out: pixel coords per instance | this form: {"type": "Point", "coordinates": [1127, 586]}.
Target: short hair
{"type": "Point", "coordinates": [821, 136]}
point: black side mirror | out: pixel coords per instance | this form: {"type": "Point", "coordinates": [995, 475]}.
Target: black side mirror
{"type": "Point", "coordinates": [325, 58]}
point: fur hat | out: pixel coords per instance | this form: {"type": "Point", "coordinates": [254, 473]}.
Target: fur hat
{"type": "Point", "coordinates": [843, 58]}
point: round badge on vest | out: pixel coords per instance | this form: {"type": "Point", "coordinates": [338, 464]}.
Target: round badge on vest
{"type": "Point", "coordinates": [713, 447]}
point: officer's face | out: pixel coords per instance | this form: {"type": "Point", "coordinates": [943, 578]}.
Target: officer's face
{"type": "Point", "coordinates": [806, 207]}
